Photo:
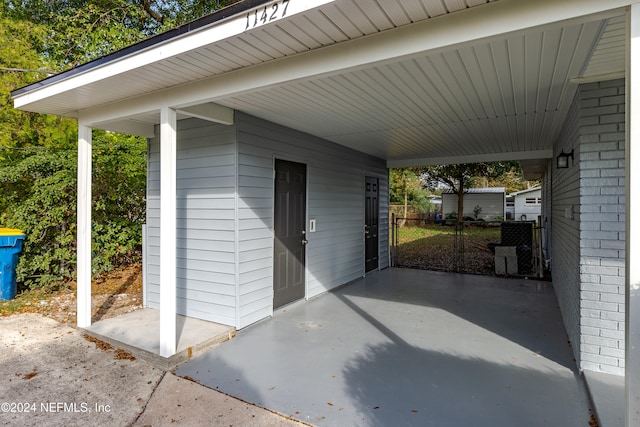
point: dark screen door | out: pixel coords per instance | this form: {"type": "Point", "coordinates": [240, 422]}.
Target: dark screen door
{"type": "Point", "coordinates": [371, 223]}
{"type": "Point", "coordinates": [289, 231]}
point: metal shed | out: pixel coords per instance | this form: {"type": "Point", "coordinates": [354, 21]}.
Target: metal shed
{"type": "Point", "coordinates": [527, 204]}
{"type": "Point", "coordinates": [491, 202]}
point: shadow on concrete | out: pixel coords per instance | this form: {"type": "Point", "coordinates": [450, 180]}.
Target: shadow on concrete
{"type": "Point", "coordinates": [379, 353]}
{"type": "Point", "coordinates": [396, 383]}
{"type": "Point", "coordinates": [519, 310]}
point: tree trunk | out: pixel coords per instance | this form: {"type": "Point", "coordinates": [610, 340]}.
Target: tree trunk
{"type": "Point", "coordinates": [458, 245]}
{"type": "Point", "coordinates": [460, 201]}
{"type": "Point", "coordinates": [403, 221]}
{"type": "Point", "coordinates": [406, 202]}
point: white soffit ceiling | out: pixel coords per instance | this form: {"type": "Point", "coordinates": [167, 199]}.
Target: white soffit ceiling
{"type": "Point", "coordinates": [499, 98]}
{"type": "Point", "coordinates": [504, 95]}
{"type": "Point", "coordinates": [334, 22]}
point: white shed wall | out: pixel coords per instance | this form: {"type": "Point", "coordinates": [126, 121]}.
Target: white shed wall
{"type": "Point", "coordinates": [522, 208]}
{"type": "Point", "coordinates": [492, 204]}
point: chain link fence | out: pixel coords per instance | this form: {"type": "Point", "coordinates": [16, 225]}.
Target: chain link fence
{"type": "Point", "coordinates": [468, 247]}
{"type": "Point", "coordinates": [444, 246]}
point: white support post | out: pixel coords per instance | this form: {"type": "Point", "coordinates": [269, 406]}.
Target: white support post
{"type": "Point", "coordinates": [84, 227]}
{"type": "Point", "coordinates": [632, 209]}
{"type": "Point", "coordinates": [168, 123]}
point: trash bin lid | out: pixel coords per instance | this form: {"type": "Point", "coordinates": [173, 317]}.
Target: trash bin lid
{"type": "Point", "coordinates": [11, 232]}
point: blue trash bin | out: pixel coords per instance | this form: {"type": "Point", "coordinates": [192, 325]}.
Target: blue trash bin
{"type": "Point", "coordinates": [10, 248]}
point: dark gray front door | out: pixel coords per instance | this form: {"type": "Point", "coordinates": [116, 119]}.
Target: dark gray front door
{"type": "Point", "coordinates": [289, 231]}
{"type": "Point", "coordinates": [371, 224]}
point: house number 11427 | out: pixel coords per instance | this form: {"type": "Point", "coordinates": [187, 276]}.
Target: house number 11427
{"type": "Point", "coordinates": [267, 14]}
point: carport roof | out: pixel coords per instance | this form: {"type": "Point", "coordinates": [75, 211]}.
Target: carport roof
{"type": "Point", "coordinates": [412, 82]}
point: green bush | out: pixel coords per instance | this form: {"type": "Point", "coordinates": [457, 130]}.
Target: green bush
{"type": "Point", "coordinates": [40, 197]}
{"type": "Point", "coordinates": [477, 211]}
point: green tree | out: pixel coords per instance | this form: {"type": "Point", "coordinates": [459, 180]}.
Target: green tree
{"type": "Point", "coordinates": [508, 175]}
{"type": "Point", "coordinates": [119, 196]}
{"type": "Point", "coordinates": [28, 145]}
{"type": "Point", "coordinates": [456, 177]}
{"type": "Point", "coordinates": [38, 152]}
{"type": "Point", "coordinates": [407, 188]}
{"type": "Point", "coordinates": [459, 177]}
{"type": "Point", "coordinates": [22, 132]}
{"type": "Point", "coordinates": [38, 173]}
{"type": "Point", "coordinates": [82, 30]}
{"type": "Point", "coordinates": [19, 64]}
{"type": "Point", "coordinates": [40, 194]}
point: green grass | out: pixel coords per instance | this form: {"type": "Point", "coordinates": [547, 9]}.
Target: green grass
{"type": "Point", "coordinates": [431, 247]}
{"type": "Point", "coordinates": [438, 233]}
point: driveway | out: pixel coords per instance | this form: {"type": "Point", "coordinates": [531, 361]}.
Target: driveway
{"type": "Point", "coordinates": [408, 347]}
{"type": "Point", "coordinates": [400, 347]}
{"type": "Point", "coordinates": [51, 375]}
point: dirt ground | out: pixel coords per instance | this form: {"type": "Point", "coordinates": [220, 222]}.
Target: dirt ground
{"type": "Point", "coordinates": [114, 294]}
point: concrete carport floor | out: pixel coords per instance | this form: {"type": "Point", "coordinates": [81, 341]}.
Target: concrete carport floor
{"type": "Point", "coordinates": [409, 347]}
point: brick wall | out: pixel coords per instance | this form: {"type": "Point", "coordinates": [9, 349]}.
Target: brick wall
{"type": "Point", "coordinates": [588, 227]}
{"type": "Point", "coordinates": [602, 226]}
{"type": "Point", "coordinates": [565, 231]}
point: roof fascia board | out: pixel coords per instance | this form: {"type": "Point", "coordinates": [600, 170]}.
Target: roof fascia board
{"type": "Point", "coordinates": [234, 9]}
{"type": "Point", "coordinates": [180, 43]}
{"type": "Point", "coordinates": [476, 158]}
{"type": "Point", "coordinates": [478, 190]}
{"type": "Point", "coordinates": [457, 29]}
{"type": "Point", "coordinates": [528, 190]}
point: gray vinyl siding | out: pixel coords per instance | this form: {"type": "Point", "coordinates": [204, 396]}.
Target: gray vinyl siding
{"type": "Point", "coordinates": [225, 216]}
{"type": "Point", "coordinates": [206, 205]}
{"type": "Point", "coordinates": [335, 198]}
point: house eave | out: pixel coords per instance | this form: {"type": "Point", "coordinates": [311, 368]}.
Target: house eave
{"type": "Point", "coordinates": [151, 42]}
{"type": "Point", "coordinates": [454, 88]}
